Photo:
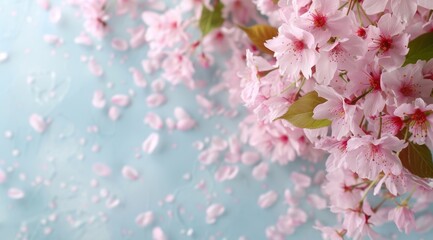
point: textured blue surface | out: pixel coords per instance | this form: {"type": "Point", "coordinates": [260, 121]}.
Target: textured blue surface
{"type": "Point", "coordinates": [54, 168]}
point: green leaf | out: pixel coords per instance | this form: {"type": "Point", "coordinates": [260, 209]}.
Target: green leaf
{"type": "Point", "coordinates": [421, 48]}
{"type": "Point", "coordinates": [209, 20]}
{"type": "Point", "coordinates": [418, 160]}
{"type": "Point", "coordinates": [258, 35]}
{"type": "Point", "coordinates": [300, 113]}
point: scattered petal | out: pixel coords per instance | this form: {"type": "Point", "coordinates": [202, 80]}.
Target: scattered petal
{"type": "Point", "coordinates": [268, 199]}
{"type": "Point", "coordinates": [260, 172]}
{"type": "Point", "coordinates": [45, 4]}
{"type": "Point", "coordinates": [16, 193]}
{"type": "Point", "coordinates": [55, 14]}
{"type": "Point", "coordinates": [113, 113]}
{"type": "Point", "coordinates": [3, 57]}
{"type": "Point", "coordinates": [101, 169]}
{"type": "Point", "coordinates": [158, 234]}
{"type": "Point", "coordinates": [154, 121]}
{"type": "Point", "coordinates": [144, 219]}
{"type": "Point", "coordinates": [138, 78]}
{"type": "Point", "coordinates": [37, 123]}
{"type": "Point", "coordinates": [185, 124]}
{"type": "Point", "coordinates": [151, 142]}
{"type": "Point", "coordinates": [213, 212]}
{"type": "Point", "coordinates": [119, 44]}
{"type": "Point", "coordinates": [51, 39]}
{"type": "Point", "coordinates": [155, 100]}
{"type": "Point", "coordinates": [250, 158]}
{"type": "Point", "coordinates": [98, 100]}
{"type": "Point", "coordinates": [226, 173]}
{"type": "Point", "coordinates": [3, 176]}
{"type": "Point", "coordinates": [83, 39]}
{"type": "Point", "coordinates": [95, 68]}
{"type": "Point", "coordinates": [120, 100]}
{"type": "Point", "coordinates": [130, 173]}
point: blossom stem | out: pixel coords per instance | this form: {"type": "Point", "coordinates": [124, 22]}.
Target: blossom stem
{"type": "Point", "coordinates": [407, 199]}
{"type": "Point", "coordinates": [352, 102]}
{"type": "Point", "coordinates": [342, 6]}
{"type": "Point", "coordinates": [406, 134]}
{"type": "Point", "coordinates": [358, 13]}
{"type": "Point", "coordinates": [300, 87]}
{"type": "Point", "coordinates": [288, 87]}
{"type": "Point", "coordinates": [350, 6]}
{"type": "Point", "coordinates": [342, 233]}
{"type": "Point", "coordinates": [379, 134]}
{"type": "Point", "coordinates": [357, 185]}
{"type": "Point", "coordinates": [372, 184]}
{"type": "Point", "coordinates": [362, 121]}
{"type": "Point", "coordinates": [364, 13]}
{"type": "Point", "coordinates": [261, 74]}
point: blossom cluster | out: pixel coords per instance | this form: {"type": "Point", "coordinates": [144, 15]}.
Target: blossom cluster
{"type": "Point", "coordinates": [353, 55]}
{"type": "Point", "coordinates": [371, 104]}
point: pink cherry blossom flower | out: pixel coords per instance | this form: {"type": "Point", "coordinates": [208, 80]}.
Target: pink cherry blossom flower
{"type": "Point", "coordinates": [266, 6]}
{"type": "Point", "coordinates": [368, 79]}
{"type": "Point", "coordinates": [388, 41]}
{"type": "Point", "coordinates": [241, 11]}
{"type": "Point", "coordinates": [391, 124]}
{"type": "Point", "coordinates": [368, 156]}
{"type": "Point", "coordinates": [275, 140]}
{"type": "Point", "coordinates": [324, 20]}
{"type": "Point", "coordinates": [342, 188]}
{"type": "Point", "coordinates": [178, 68]}
{"type": "Point", "coordinates": [337, 150]}
{"type": "Point", "coordinates": [294, 218]}
{"type": "Point", "coordinates": [165, 29]}
{"type": "Point", "coordinates": [335, 109]}
{"type": "Point", "coordinates": [95, 17]}
{"type": "Point", "coordinates": [329, 232]}
{"type": "Point", "coordinates": [403, 217]}
{"type": "Point", "coordinates": [420, 120]}
{"type": "Point", "coordinates": [295, 50]}
{"type": "Point", "coordinates": [358, 223]}
{"type": "Point", "coordinates": [401, 8]}
{"type": "Point", "coordinates": [405, 84]}
{"type": "Point", "coordinates": [251, 77]}
{"type": "Point", "coordinates": [340, 55]}
{"type": "Point", "coordinates": [125, 6]}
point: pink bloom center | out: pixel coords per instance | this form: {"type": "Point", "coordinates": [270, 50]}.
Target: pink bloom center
{"type": "Point", "coordinates": [385, 43]}
{"type": "Point", "coordinates": [419, 117]}
{"type": "Point", "coordinates": [407, 90]}
{"type": "Point", "coordinates": [361, 32]}
{"type": "Point", "coordinates": [284, 139]}
{"type": "Point", "coordinates": [219, 36]}
{"type": "Point", "coordinates": [298, 45]}
{"type": "Point", "coordinates": [347, 188]}
{"type": "Point", "coordinates": [375, 82]}
{"type": "Point", "coordinates": [173, 25]}
{"type": "Point", "coordinates": [366, 218]}
{"type": "Point", "coordinates": [237, 5]}
{"type": "Point", "coordinates": [374, 148]}
{"type": "Point", "coordinates": [319, 20]}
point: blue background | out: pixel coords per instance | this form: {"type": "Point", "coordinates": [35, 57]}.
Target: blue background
{"type": "Point", "coordinates": [55, 156]}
